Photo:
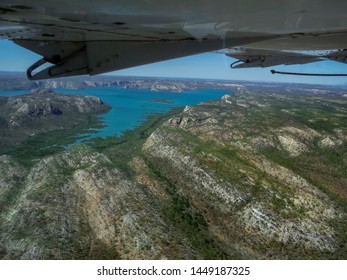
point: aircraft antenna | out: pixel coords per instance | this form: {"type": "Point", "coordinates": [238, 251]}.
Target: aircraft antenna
{"type": "Point", "coordinates": [308, 74]}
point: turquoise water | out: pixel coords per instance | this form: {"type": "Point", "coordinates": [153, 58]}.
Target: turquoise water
{"type": "Point", "coordinates": [131, 107]}
{"type": "Point", "coordinates": [13, 92]}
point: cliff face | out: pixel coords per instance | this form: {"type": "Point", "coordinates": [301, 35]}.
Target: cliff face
{"type": "Point", "coordinates": [249, 176]}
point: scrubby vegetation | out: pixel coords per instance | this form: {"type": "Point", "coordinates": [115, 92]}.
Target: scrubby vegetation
{"type": "Point", "coordinates": [254, 175]}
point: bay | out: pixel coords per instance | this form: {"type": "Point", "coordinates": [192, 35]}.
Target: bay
{"type": "Point", "coordinates": [131, 107]}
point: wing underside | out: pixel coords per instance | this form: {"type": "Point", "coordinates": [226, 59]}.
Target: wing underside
{"type": "Point", "coordinates": [76, 38]}
{"type": "Point", "coordinates": [250, 58]}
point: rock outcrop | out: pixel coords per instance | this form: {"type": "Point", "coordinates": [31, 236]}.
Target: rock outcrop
{"type": "Point", "coordinates": [43, 110]}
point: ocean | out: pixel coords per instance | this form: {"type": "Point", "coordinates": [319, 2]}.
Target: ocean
{"type": "Point", "coordinates": [131, 107]}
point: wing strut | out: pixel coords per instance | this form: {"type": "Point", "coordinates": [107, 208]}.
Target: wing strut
{"type": "Point", "coordinates": [33, 67]}
{"type": "Point", "coordinates": [72, 64]}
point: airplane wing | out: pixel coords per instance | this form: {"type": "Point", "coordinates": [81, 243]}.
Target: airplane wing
{"type": "Point", "coordinates": [79, 37]}
{"type": "Point", "coordinates": [248, 58]}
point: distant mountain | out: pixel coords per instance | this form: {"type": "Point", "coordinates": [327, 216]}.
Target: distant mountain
{"type": "Point", "coordinates": [255, 175]}
{"type": "Point", "coordinates": [18, 81]}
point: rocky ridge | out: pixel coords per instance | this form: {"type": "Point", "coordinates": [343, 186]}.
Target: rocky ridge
{"type": "Point", "coordinates": [253, 175]}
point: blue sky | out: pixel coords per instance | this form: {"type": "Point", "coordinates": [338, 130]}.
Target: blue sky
{"type": "Point", "coordinates": [206, 66]}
